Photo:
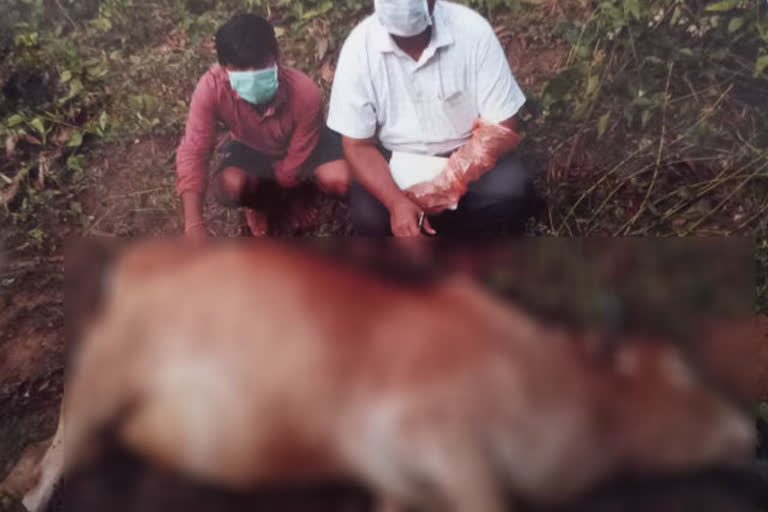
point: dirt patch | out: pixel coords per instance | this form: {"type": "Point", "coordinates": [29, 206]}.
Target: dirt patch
{"type": "Point", "coordinates": [31, 319]}
{"type": "Point", "coordinates": [25, 473]}
{"type": "Point", "coordinates": [34, 349]}
{"type": "Point", "coordinates": [534, 64]}
{"type": "Point", "coordinates": [534, 53]}
{"type": "Point", "coordinates": [31, 355]}
{"type": "Point", "coordinates": [131, 190]}
{"type": "Point", "coordinates": [28, 414]}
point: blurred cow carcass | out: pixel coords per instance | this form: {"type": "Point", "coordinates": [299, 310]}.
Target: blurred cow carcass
{"type": "Point", "coordinates": [269, 375]}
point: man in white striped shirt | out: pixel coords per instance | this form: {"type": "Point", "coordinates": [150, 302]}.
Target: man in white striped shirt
{"type": "Point", "coordinates": [413, 78]}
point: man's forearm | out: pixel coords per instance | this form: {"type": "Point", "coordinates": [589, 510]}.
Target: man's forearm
{"type": "Point", "coordinates": [372, 171]}
{"type": "Point", "coordinates": [511, 123]}
{"type": "Point", "coordinates": [193, 207]}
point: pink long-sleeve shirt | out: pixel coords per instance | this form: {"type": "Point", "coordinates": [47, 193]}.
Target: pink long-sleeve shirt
{"type": "Point", "coordinates": [288, 131]}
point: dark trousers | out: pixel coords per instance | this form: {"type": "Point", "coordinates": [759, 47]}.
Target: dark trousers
{"type": "Point", "coordinates": [496, 204]}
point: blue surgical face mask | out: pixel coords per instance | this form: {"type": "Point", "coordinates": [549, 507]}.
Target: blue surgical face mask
{"type": "Point", "coordinates": [406, 18]}
{"type": "Point", "coordinates": [255, 87]}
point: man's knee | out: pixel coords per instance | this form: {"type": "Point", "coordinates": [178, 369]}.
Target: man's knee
{"type": "Point", "coordinates": [511, 179]}
{"type": "Point", "coordinates": [507, 184]}
{"type": "Point", "coordinates": [369, 217]}
{"type": "Point", "coordinates": [333, 177]}
{"type": "Point", "coordinates": [230, 185]}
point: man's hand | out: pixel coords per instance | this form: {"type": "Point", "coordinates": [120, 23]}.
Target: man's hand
{"type": "Point", "coordinates": [372, 171]}
{"type": "Point", "coordinates": [404, 219]}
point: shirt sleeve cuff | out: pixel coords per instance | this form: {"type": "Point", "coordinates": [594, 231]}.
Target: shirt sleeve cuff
{"type": "Point", "coordinates": [353, 132]}
{"type": "Point", "coordinates": [510, 110]}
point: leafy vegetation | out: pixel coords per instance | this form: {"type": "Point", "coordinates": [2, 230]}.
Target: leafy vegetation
{"type": "Point", "coordinates": [656, 123]}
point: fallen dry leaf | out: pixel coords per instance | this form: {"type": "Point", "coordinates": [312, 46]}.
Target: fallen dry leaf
{"type": "Point", "coordinates": [30, 139]}
{"type": "Point", "coordinates": [321, 48]}
{"type": "Point", "coordinates": [327, 72]}
{"type": "Point", "coordinates": [42, 170]}
{"type": "Point", "coordinates": [10, 145]}
{"type": "Point", "coordinates": [62, 135]}
{"type": "Point", "coordinates": [9, 194]}
{"type": "Point", "coordinates": [25, 473]}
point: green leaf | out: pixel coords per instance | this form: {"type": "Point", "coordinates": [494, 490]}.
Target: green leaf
{"type": "Point", "coordinates": [675, 15]}
{"type": "Point", "coordinates": [633, 7]}
{"type": "Point", "coordinates": [102, 24]}
{"type": "Point", "coordinates": [602, 124]}
{"type": "Point", "coordinates": [37, 234]}
{"type": "Point", "coordinates": [15, 120]}
{"type": "Point", "coordinates": [103, 120]}
{"type": "Point", "coordinates": [686, 51]}
{"type": "Point", "coordinates": [592, 82]}
{"type": "Point", "coordinates": [66, 76]}
{"type": "Point", "coordinates": [722, 6]}
{"type": "Point", "coordinates": [317, 11]}
{"type": "Point", "coordinates": [76, 140]}
{"type": "Point", "coordinates": [38, 124]}
{"type": "Point", "coordinates": [75, 87]}
{"type": "Point", "coordinates": [75, 163]}
{"type": "Point", "coordinates": [562, 84]}
{"type": "Point", "coordinates": [761, 64]}
{"type": "Point", "coordinates": [97, 71]}
{"type": "Point", "coordinates": [644, 117]}
{"type": "Point", "coordinates": [735, 24]}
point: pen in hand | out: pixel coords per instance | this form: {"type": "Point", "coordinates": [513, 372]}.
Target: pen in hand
{"type": "Point", "coordinates": [424, 229]}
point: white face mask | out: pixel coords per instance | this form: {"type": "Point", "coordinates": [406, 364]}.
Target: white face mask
{"type": "Point", "coordinates": [404, 18]}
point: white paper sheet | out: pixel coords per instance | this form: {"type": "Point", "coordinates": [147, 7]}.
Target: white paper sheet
{"type": "Point", "coordinates": [408, 169]}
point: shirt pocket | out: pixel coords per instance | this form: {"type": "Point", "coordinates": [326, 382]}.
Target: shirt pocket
{"type": "Point", "coordinates": [460, 112]}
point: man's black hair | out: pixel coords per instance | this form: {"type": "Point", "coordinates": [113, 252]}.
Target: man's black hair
{"type": "Point", "coordinates": [246, 40]}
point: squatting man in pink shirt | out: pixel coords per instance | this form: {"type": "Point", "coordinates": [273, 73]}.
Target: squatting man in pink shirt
{"type": "Point", "coordinates": [277, 132]}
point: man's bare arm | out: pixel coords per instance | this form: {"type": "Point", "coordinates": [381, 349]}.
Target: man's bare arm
{"type": "Point", "coordinates": [194, 224]}
{"type": "Point", "coordinates": [372, 171]}
{"type": "Point", "coordinates": [510, 123]}
{"type": "Point", "coordinates": [193, 208]}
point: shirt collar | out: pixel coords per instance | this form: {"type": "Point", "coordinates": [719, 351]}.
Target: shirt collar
{"type": "Point", "coordinates": [441, 34]}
